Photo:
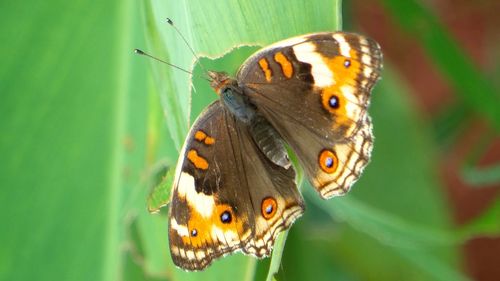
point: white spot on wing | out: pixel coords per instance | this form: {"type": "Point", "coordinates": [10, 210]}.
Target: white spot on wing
{"type": "Point", "coordinates": [182, 253]}
{"type": "Point", "coordinates": [200, 255]}
{"type": "Point", "coordinates": [181, 229]}
{"type": "Point", "coordinates": [259, 243]}
{"type": "Point", "coordinates": [366, 59]}
{"type": "Point", "coordinates": [352, 109]}
{"type": "Point", "coordinates": [202, 203]}
{"type": "Point", "coordinates": [343, 45]}
{"type": "Point", "coordinates": [368, 71]}
{"type": "Point", "coordinates": [190, 255]}
{"type": "Point", "coordinates": [228, 236]}
{"type": "Point", "coordinates": [306, 52]}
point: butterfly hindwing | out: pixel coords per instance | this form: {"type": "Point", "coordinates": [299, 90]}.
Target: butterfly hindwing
{"type": "Point", "coordinates": [227, 195]}
{"type": "Point", "coordinates": [315, 89]}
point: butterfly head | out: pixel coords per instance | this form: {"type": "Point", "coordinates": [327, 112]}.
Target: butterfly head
{"type": "Point", "coordinates": [218, 80]}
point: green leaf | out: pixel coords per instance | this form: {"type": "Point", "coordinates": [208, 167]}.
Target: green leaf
{"type": "Point", "coordinates": [279, 245]}
{"type": "Point", "coordinates": [476, 91]}
{"type": "Point", "coordinates": [174, 103]}
{"type": "Point", "coordinates": [387, 228]}
{"type": "Point", "coordinates": [160, 195]}
{"type": "Point", "coordinates": [82, 126]}
{"type": "Point", "coordinates": [68, 106]}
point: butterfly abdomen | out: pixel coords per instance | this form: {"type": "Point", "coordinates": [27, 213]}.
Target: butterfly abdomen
{"type": "Point", "coordinates": [269, 142]}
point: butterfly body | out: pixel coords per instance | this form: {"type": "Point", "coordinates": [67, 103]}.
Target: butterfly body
{"type": "Point", "coordinates": [238, 104]}
{"type": "Point", "coordinates": [233, 98]}
{"type": "Point", "coordinates": [235, 187]}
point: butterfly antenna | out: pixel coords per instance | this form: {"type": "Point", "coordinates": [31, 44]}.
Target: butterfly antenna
{"type": "Point", "coordinates": [142, 53]}
{"type": "Point", "coordinates": [169, 21]}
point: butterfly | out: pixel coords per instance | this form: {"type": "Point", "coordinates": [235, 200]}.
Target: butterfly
{"type": "Point", "coordinates": [234, 187]}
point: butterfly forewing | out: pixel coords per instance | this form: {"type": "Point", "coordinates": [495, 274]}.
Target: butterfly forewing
{"type": "Point", "coordinates": [315, 91]}
{"type": "Point", "coordinates": [228, 195]}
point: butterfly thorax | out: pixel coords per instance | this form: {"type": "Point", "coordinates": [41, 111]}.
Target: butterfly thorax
{"type": "Point", "coordinates": [238, 104]}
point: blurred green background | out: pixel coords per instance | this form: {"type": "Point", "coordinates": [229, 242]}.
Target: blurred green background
{"type": "Point", "coordinates": [87, 127]}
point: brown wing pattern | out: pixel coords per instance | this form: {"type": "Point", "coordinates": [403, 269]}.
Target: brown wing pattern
{"type": "Point", "coordinates": [315, 91]}
{"type": "Point", "coordinates": [227, 195]}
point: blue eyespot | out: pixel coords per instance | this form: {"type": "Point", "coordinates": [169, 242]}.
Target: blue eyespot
{"type": "Point", "coordinates": [225, 217]}
{"type": "Point", "coordinates": [329, 162]}
{"type": "Point", "coordinates": [334, 102]}
{"type": "Point", "coordinates": [194, 232]}
{"type": "Point", "coordinates": [269, 209]}
{"type": "Point", "coordinates": [347, 63]}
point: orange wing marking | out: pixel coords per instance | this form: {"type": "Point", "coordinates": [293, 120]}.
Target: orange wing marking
{"type": "Point", "coordinates": [203, 137]}
{"type": "Point", "coordinates": [264, 65]}
{"type": "Point", "coordinates": [198, 161]}
{"type": "Point", "coordinates": [286, 65]}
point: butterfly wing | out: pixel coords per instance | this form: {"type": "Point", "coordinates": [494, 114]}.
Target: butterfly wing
{"type": "Point", "coordinates": [227, 195]}
{"type": "Point", "coordinates": [315, 90]}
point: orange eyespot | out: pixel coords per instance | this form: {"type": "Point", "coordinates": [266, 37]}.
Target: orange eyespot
{"type": "Point", "coordinates": [226, 217]}
{"type": "Point", "coordinates": [269, 207]}
{"type": "Point", "coordinates": [333, 100]}
{"type": "Point", "coordinates": [328, 161]}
